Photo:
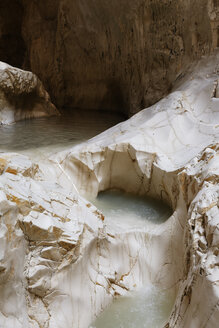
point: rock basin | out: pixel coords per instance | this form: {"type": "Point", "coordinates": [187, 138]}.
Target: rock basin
{"type": "Point", "coordinates": [148, 307]}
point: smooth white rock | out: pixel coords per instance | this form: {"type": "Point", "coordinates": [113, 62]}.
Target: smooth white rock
{"type": "Point", "coordinates": [61, 265]}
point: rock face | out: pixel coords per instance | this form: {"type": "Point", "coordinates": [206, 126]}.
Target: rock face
{"type": "Point", "coordinates": [71, 263]}
{"type": "Point", "coordinates": [22, 95]}
{"type": "Point", "coordinates": [12, 46]}
{"type": "Point", "coordinates": [119, 55]}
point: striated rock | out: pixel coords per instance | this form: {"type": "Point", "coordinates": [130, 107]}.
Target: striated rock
{"type": "Point", "coordinates": [198, 296]}
{"type": "Point", "coordinates": [122, 55]}
{"type": "Point", "coordinates": [48, 230]}
{"type": "Point", "coordinates": [115, 55]}
{"type": "Point", "coordinates": [67, 253]}
{"type": "Point", "coordinates": [168, 151]}
{"type": "Point", "coordinates": [71, 263]}
{"type": "Point", "coordinates": [22, 95]}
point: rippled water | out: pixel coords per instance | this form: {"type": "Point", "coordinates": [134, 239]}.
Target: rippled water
{"type": "Point", "coordinates": [39, 137]}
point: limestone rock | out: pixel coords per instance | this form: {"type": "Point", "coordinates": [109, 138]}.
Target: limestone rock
{"type": "Point", "coordinates": [22, 95]}
{"type": "Point", "coordinates": [168, 151]}
{"type": "Point", "coordinates": [71, 263]}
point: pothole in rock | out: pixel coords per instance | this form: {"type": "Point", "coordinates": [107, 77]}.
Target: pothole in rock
{"type": "Point", "coordinates": [128, 211]}
{"type": "Point", "coordinates": [149, 306]}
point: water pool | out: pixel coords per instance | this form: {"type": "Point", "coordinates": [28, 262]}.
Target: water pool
{"type": "Point", "coordinates": [127, 210]}
{"type": "Point", "coordinates": [38, 138]}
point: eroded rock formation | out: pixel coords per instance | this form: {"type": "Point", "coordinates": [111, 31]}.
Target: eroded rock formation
{"type": "Point", "coordinates": [22, 96]}
{"type": "Point", "coordinates": [71, 262]}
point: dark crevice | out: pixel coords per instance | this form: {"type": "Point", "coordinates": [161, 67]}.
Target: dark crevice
{"type": "Point", "coordinates": [12, 45]}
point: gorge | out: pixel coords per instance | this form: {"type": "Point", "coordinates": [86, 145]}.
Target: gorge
{"type": "Point", "coordinates": [109, 221]}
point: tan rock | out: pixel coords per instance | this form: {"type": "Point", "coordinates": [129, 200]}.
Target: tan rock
{"type": "Point", "coordinates": [122, 55]}
{"type": "Point", "coordinates": [22, 96]}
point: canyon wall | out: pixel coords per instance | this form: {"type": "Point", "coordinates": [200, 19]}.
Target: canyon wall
{"type": "Point", "coordinates": [113, 55]}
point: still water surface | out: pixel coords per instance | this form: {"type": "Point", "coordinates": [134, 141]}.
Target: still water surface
{"type": "Point", "coordinates": [41, 137]}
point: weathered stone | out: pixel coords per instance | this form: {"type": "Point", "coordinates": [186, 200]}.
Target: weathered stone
{"type": "Point", "coordinates": [22, 95]}
{"type": "Point", "coordinates": [122, 55]}
{"type": "Point", "coordinates": [71, 263]}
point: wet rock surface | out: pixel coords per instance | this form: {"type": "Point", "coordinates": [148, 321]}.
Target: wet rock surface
{"type": "Point", "coordinates": [72, 263]}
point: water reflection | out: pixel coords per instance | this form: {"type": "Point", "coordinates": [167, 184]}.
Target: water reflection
{"type": "Point", "coordinates": [55, 133]}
